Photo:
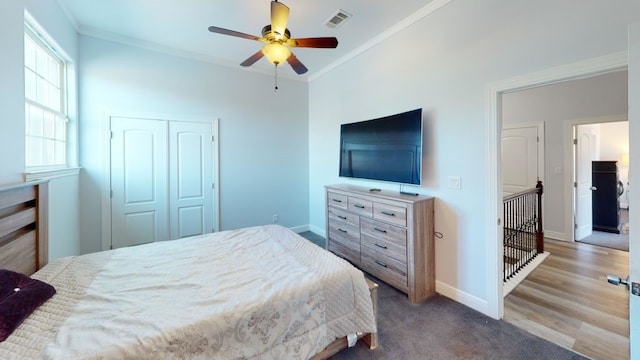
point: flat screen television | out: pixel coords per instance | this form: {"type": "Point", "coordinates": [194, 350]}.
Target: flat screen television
{"type": "Point", "coordinates": [386, 149]}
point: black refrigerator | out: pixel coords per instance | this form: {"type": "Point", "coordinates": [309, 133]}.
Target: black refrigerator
{"type": "Point", "coordinates": [605, 196]}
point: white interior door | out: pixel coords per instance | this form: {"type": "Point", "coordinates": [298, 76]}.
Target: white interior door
{"type": "Point", "coordinates": [519, 159]}
{"type": "Point", "coordinates": [138, 181]}
{"type": "Point", "coordinates": [634, 196]}
{"type": "Point", "coordinates": [162, 174]}
{"type": "Point", "coordinates": [190, 179]}
{"type": "Point", "coordinates": [585, 154]}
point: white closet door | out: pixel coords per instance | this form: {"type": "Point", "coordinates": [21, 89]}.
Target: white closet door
{"type": "Point", "coordinates": [138, 181]}
{"type": "Point", "coordinates": [190, 179]}
{"type": "Point", "coordinates": [519, 159]}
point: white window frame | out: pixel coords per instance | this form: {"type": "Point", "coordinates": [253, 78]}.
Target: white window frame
{"type": "Point", "coordinates": [34, 32]}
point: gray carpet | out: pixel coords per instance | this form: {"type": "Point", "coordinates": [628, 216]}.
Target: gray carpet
{"type": "Point", "coordinates": [441, 328]}
{"type": "Point", "coordinates": [612, 240]}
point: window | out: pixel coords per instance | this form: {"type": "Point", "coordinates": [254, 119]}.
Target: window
{"type": "Point", "coordinates": [45, 105]}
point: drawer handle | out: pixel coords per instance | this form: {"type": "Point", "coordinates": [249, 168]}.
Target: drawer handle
{"type": "Point", "coordinates": [359, 206]}
{"type": "Point", "coordinates": [380, 263]}
{"type": "Point", "coordinates": [388, 213]}
{"type": "Point", "coordinates": [342, 217]}
{"type": "Point", "coordinates": [336, 200]}
{"type": "Point", "coordinates": [380, 230]}
{"type": "Point", "coordinates": [341, 230]}
{"type": "Point", "coordinates": [380, 246]}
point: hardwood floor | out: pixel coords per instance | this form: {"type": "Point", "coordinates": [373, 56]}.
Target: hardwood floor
{"type": "Point", "coordinates": [568, 301]}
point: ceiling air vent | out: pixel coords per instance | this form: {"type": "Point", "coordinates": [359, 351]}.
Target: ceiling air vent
{"type": "Point", "coordinates": [337, 19]}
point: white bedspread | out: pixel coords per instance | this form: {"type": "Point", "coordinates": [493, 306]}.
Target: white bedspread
{"type": "Point", "coordinates": [253, 293]}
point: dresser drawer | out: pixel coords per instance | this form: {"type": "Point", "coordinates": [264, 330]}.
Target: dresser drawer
{"type": "Point", "coordinates": [339, 215]}
{"type": "Point", "coordinates": [337, 200]}
{"type": "Point", "coordinates": [345, 252]}
{"type": "Point", "coordinates": [392, 243]}
{"type": "Point", "coordinates": [383, 231]}
{"type": "Point", "coordinates": [389, 213]}
{"type": "Point", "coordinates": [387, 269]}
{"type": "Point", "coordinates": [346, 233]}
{"type": "Point", "coordinates": [361, 206]}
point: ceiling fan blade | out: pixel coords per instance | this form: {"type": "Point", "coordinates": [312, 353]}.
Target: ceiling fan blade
{"type": "Point", "coordinates": [297, 66]}
{"type": "Point", "coordinates": [318, 42]}
{"type": "Point", "coordinates": [279, 17]}
{"type": "Point", "coordinates": [219, 30]}
{"type": "Point", "coordinates": [252, 59]}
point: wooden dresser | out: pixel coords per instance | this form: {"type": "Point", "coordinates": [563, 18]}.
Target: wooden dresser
{"type": "Point", "coordinates": [385, 233]}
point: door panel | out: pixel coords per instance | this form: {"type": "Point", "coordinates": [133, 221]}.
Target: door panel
{"type": "Point", "coordinates": [585, 154]}
{"type": "Point", "coordinates": [190, 179]}
{"type": "Point", "coordinates": [138, 181]}
{"type": "Point", "coordinates": [190, 221]}
{"type": "Point", "coordinates": [519, 159]}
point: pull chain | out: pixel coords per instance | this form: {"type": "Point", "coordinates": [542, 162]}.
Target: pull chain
{"type": "Point", "coordinates": [276, 79]}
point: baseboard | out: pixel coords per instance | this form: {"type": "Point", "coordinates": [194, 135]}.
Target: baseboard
{"type": "Point", "coordinates": [319, 231]}
{"type": "Point", "coordinates": [314, 229]}
{"type": "Point", "coordinates": [462, 297]}
{"type": "Point", "coordinates": [555, 235]}
{"type": "Point", "coordinates": [300, 229]}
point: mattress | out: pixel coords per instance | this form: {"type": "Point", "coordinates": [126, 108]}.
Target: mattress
{"type": "Point", "coordinates": [253, 293]}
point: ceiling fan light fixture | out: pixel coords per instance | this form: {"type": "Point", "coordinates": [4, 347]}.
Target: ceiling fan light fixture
{"type": "Point", "coordinates": [278, 41]}
{"type": "Point", "coordinates": [276, 53]}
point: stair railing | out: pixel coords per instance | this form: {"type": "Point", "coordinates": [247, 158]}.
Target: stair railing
{"type": "Point", "coordinates": [523, 234]}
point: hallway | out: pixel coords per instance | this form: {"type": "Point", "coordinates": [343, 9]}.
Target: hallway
{"type": "Point", "coordinates": [568, 301]}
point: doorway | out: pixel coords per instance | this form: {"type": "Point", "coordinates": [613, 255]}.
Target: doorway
{"type": "Point", "coordinates": [562, 173]}
{"type": "Point", "coordinates": [600, 200]}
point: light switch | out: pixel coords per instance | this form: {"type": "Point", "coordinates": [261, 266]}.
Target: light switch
{"type": "Point", "coordinates": [557, 170]}
{"type": "Point", "coordinates": [455, 182]}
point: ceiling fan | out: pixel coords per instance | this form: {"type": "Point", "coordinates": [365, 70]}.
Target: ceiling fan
{"type": "Point", "coordinates": [278, 41]}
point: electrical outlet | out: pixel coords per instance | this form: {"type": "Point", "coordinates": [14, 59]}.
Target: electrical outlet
{"type": "Point", "coordinates": [275, 218]}
{"type": "Point", "coordinates": [455, 182]}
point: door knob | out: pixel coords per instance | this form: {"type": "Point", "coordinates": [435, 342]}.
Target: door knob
{"type": "Point", "coordinates": [616, 280]}
{"type": "Point", "coordinates": [593, 188]}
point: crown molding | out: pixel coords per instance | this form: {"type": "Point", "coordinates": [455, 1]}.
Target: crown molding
{"type": "Point", "coordinates": [425, 11]}
{"type": "Point", "coordinates": [168, 50]}
{"type": "Point", "coordinates": [68, 14]}
{"type": "Point", "coordinates": [428, 9]}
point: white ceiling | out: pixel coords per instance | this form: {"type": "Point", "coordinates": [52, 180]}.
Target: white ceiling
{"type": "Point", "coordinates": [180, 27]}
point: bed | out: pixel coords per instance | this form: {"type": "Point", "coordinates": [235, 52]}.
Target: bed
{"type": "Point", "coordinates": [254, 293]}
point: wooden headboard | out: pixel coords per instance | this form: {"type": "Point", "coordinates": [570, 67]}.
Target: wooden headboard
{"type": "Point", "coordinates": [24, 227]}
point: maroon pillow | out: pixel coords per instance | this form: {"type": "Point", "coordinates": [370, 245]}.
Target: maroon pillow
{"type": "Point", "coordinates": [20, 295]}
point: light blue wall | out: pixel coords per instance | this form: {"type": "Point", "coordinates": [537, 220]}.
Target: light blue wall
{"type": "Point", "coordinates": [263, 134]}
{"type": "Point", "coordinates": [63, 192]}
{"type": "Point", "coordinates": [12, 92]}
{"type": "Point", "coordinates": [443, 63]}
